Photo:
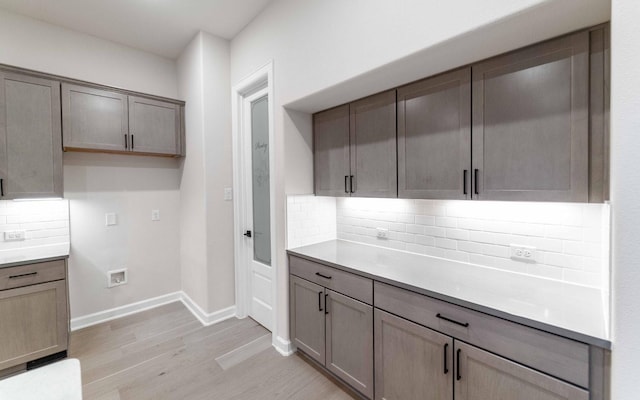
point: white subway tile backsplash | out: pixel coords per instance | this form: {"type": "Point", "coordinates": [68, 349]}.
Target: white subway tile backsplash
{"type": "Point", "coordinates": [45, 222]}
{"type": "Point", "coordinates": [571, 239]}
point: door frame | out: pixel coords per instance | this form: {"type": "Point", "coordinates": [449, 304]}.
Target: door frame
{"type": "Point", "coordinates": [260, 80]}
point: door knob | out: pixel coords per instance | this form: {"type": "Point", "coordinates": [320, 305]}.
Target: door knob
{"type": "Point", "coordinates": [247, 234]}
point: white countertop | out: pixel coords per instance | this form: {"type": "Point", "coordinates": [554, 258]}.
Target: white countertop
{"type": "Point", "coordinates": [58, 381]}
{"type": "Point", "coordinates": [25, 254]}
{"type": "Point", "coordinates": [565, 309]}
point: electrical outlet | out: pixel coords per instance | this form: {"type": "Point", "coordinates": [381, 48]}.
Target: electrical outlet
{"type": "Point", "coordinates": [382, 233]}
{"type": "Point", "coordinates": [110, 219]}
{"type": "Point", "coordinates": [228, 194]}
{"type": "Point", "coordinates": [524, 253]}
{"type": "Point", "coordinates": [155, 215]}
{"type": "Point", "coordinates": [12, 236]}
{"type": "Point", "coordinates": [117, 277]}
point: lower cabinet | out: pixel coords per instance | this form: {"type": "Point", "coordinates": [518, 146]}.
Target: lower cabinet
{"type": "Point", "coordinates": [335, 330]}
{"type": "Point", "coordinates": [412, 362]}
{"type": "Point", "coordinates": [481, 375]}
{"type": "Point", "coordinates": [34, 313]}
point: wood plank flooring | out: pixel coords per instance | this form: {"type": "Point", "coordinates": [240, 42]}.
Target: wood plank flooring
{"type": "Point", "coordinates": [165, 353]}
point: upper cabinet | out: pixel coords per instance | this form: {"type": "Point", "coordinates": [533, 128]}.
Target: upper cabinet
{"type": "Point", "coordinates": [94, 119]}
{"type": "Point", "coordinates": [30, 137]}
{"type": "Point", "coordinates": [154, 126]}
{"type": "Point", "coordinates": [355, 148]}
{"type": "Point", "coordinates": [531, 123]}
{"type": "Point", "coordinates": [434, 137]}
{"type": "Point", "coordinates": [109, 121]}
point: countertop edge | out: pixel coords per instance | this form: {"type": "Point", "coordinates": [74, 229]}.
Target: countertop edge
{"type": "Point", "coordinates": [556, 330]}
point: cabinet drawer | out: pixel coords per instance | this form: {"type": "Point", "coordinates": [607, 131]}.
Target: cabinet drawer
{"type": "Point", "coordinates": [554, 355]}
{"type": "Point", "coordinates": [31, 274]}
{"type": "Point", "coordinates": [343, 282]}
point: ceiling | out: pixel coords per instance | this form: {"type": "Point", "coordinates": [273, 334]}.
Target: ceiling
{"type": "Point", "coordinates": [162, 27]}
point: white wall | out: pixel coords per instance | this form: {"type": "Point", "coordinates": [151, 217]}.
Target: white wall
{"type": "Point", "coordinates": [130, 186]}
{"type": "Point", "coordinates": [207, 220]}
{"type": "Point", "coordinates": [625, 191]}
{"type": "Point", "coordinates": [329, 51]}
{"type": "Point", "coordinates": [37, 45]}
{"type": "Point", "coordinates": [98, 183]}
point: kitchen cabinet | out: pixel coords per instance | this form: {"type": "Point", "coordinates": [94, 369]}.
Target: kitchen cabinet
{"type": "Point", "coordinates": [332, 328]}
{"type": "Point", "coordinates": [154, 126]}
{"type": "Point", "coordinates": [331, 152]}
{"type": "Point", "coordinates": [412, 362]}
{"type": "Point", "coordinates": [531, 123]}
{"type": "Point", "coordinates": [434, 137]}
{"type": "Point", "coordinates": [94, 119]}
{"type": "Point", "coordinates": [481, 375]}
{"type": "Point", "coordinates": [30, 137]}
{"type": "Point", "coordinates": [355, 148]}
{"type": "Point", "coordinates": [33, 311]}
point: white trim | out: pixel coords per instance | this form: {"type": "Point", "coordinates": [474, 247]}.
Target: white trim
{"type": "Point", "coordinates": [284, 347]}
{"type": "Point", "coordinates": [262, 78]}
{"type": "Point", "coordinates": [122, 311]}
{"type": "Point", "coordinates": [205, 319]}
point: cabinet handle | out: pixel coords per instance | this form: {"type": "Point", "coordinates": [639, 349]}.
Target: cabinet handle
{"type": "Point", "coordinates": [323, 276]}
{"type": "Point", "coordinates": [132, 142]}
{"type": "Point", "coordinates": [346, 179]}
{"type": "Point", "coordinates": [351, 183]}
{"type": "Point", "coordinates": [464, 181]}
{"type": "Point", "coordinates": [319, 301]}
{"type": "Point", "coordinates": [1, 187]}
{"type": "Point", "coordinates": [23, 275]}
{"type": "Point", "coordinates": [475, 181]}
{"type": "Point", "coordinates": [326, 308]}
{"type": "Point", "coordinates": [126, 142]}
{"type": "Point", "coordinates": [465, 324]}
{"type": "Point", "coordinates": [458, 376]}
{"type": "Point", "coordinates": [446, 368]}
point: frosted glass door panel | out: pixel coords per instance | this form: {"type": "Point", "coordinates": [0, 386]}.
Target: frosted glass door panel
{"type": "Point", "coordinates": [260, 180]}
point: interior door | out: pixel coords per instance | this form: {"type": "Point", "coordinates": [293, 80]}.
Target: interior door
{"type": "Point", "coordinates": [258, 207]}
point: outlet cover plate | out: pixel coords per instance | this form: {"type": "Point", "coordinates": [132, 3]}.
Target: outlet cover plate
{"type": "Point", "coordinates": [524, 253]}
{"type": "Point", "coordinates": [382, 233]}
{"type": "Point", "coordinates": [15, 236]}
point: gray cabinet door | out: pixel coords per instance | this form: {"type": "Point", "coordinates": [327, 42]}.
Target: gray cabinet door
{"type": "Point", "coordinates": [331, 152]}
{"type": "Point", "coordinates": [154, 126]}
{"type": "Point", "coordinates": [349, 341]}
{"type": "Point", "coordinates": [481, 375]}
{"type": "Point", "coordinates": [531, 123]}
{"type": "Point", "coordinates": [412, 362]}
{"type": "Point", "coordinates": [94, 119]}
{"type": "Point", "coordinates": [307, 317]}
{"type": "Point", "coordinates": [30, 137]}
{"type": "Point", "coordinates": [34, 322]}
{"type": "Point", "coordinates": [434, 137]}
{"type": "Point", "coordinates": [373, 146]}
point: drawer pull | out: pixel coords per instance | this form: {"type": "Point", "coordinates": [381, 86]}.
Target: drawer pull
{"type": "Point", "coordinates": [319, 301]}
{"type": "Point", "coordinates": [23, 275]}
{"type": "Point", "coordinates": [458, 376]}
{"type": "Point", "coordinates": [323, 276]}
{"type": "Point", "coordinates": [465, 324]}
{"type": "Point", "coordinates": [446, 368]}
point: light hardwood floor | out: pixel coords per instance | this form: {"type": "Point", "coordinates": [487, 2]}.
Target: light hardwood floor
{"type": "Point", "coordinates": [165, 353]}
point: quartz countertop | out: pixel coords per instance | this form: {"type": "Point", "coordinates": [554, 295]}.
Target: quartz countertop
{"type": "Point", "coordinates": [561, 308]}
{"type": "Point", "coordinates": [25, 255]}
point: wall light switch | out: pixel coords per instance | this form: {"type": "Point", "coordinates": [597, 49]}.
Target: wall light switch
{"type": "Point", "coordinates": [111, 219]}
{"type": "Point", "coordinates": [155, 215]}
{"type": "Point", "coordinates": [228, 194]}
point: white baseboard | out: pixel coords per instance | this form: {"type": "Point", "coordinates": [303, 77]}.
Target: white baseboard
{"type": "Point", "coordinates": [118, 312]}
{"type": "Point", "coordinates": [283, 346]}
{"type": "Point", "coordinates": [122, 311]}
{"type": "Point", "coordinates": [207, 318]}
